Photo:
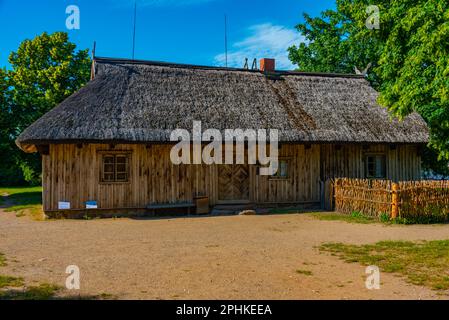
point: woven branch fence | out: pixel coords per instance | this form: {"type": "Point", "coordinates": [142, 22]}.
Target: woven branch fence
{"type": "Point", "coordinates": [370, 197]}
{"type": "Point", "coordinates": [418, 200]}
{"type": "Point", "coordinates": [423, 199]}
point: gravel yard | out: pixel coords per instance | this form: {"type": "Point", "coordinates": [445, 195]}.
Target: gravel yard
{"type": "Point", "coordinates": [232, 257]}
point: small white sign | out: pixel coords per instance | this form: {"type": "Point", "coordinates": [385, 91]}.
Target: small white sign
{"type": "Point", "coordinates": [62, 205]}
{"type": "Point", "coordinates": [91, 205]}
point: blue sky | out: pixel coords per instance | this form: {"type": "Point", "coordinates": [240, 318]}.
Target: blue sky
{"type": "Point", "coordinates": [183, 31]}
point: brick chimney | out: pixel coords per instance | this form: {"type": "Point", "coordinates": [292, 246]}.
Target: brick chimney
{"type": "Point", "coordinates": [267, 65]}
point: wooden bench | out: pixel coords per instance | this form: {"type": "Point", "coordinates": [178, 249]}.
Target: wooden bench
{"type": "Point", "coordinates": [188, 205]}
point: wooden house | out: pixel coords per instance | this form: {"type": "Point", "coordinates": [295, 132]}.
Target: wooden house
{"type": "Point", "coordinates": [108, 144]}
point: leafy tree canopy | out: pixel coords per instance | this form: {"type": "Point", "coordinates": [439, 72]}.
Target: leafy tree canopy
{"type": "Point", "coordinates": [44, 71]}
{"type": "Point", "coordinates": [409, 54]}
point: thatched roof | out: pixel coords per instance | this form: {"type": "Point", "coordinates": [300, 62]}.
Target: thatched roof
{"type": "Point", "coordinates": [142, 101]}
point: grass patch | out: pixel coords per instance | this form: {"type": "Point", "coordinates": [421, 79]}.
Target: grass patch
{"type": "Point", "coordinates": [353, 218]}
{"type": "Point", "coordinates": [7, 281]}
{"type": "Point", "coordinates": [14, 288]}
{"type": "Point", "coordinates": [358, 217]}
{"type": "Point", "coordinates": [23, 201]}
{"type": "Point", "coordinates": [430, 219]}
{"type": "Point", "coordinates": [304, 272]}
{"type": "Point", "coordinates": [47, 291]}
{"type": "Point", "coordinates": [43, 291]}
{"type": "Point", "coordinates": [423, 263]}
{"type": "Point", "coordinates": [22, 195]}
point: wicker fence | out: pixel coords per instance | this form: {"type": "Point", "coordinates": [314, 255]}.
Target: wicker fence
{"type": "Point", "coordinates": [422, 199]}
{"type": "Point", "coordinates": [371, 197]}
{"type": "Point", "coordinates": [416, 200]}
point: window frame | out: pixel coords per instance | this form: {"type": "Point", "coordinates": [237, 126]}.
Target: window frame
{"type": "Point", "coordinates": [384, 165]}
{"type": "Point", "coordinates": [115, 154]}
{"type": "Point", "coordinates": [288, 161]}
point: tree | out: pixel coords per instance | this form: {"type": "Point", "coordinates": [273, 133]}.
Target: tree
{"type": "Point", "coordinates": [339, 41]}
{"type": "Point", "coordinates": [44, 71]}
{"type": "Point", "coordinates": [409, 56]}
{"type": "Point", "coordinates": [414, 66]}
{"type": "Point", "coordinates": [8, 169]}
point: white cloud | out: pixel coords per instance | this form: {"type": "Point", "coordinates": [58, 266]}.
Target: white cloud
{"type": "Point", "coordinates": [264, 41]}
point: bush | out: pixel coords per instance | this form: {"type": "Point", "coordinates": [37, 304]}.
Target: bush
{"type": "Point", "coordinates": [384, 217]}
{"type": "Point", "coordinates": [357, 214]}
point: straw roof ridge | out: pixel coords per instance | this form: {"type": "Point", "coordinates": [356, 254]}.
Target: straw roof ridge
{"type": "Point", "coordinates": [143, 101]}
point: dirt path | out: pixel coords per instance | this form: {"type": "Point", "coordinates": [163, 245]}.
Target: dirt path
{"type": "Point", "coordinates": [237, 257]}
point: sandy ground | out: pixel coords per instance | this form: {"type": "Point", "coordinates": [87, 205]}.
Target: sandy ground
{"type": "Point", "coordinates": [234, 257]}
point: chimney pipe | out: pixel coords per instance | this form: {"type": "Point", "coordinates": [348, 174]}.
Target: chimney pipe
{"type": "Point", "coordinates": [267, 65]}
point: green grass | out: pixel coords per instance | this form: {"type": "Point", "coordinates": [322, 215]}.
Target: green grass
{"type": "Point", "coordinates": [47, 291]}
{"type": "Point", "coordinates": [358, 217]}
{"type": "Point", "coordinates": [43, 291]}
{"type": "Point", "coordinates": [354, 218]}
{"type": "Point", "coordinates": [7, 281]}
{"type": "Point", "coordinates": [21, 196]}
{"type": "Point", "coordinates": [22, 200]}
{"type": "Point", "coordinates": [14, 288]}
{"type": "Point", "coordinates": [423, 263]}
{"type": "Point", "coordinates": [304, 272]}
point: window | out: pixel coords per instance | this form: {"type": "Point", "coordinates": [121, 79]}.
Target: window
{"type": "Point", "coordinates": [115, 168]}
{"type": "Point", "coordinates": [282, 172]}
{"type": "Point", "coordinates": [375, 166]}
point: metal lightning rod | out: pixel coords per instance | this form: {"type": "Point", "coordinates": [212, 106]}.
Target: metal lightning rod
{"type": "Point", "coordinates": [226, 40]}
{"type": "Point", "coordinates": [134, 28]}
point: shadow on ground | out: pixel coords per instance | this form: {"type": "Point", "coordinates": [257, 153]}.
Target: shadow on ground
{"type": "Point", "coordinates": [22, 198]}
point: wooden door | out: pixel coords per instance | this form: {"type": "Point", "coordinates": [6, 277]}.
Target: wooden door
{"type": "Point", "coordinates": [233, 182]}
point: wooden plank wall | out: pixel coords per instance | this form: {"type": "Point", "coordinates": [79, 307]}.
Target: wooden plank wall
{"type": "Point", "coordinates": [72, 174]}
{"type": "Point", "coordinates": [403, 163]}
{"type": "Point", "coordinates": [303, 183]}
